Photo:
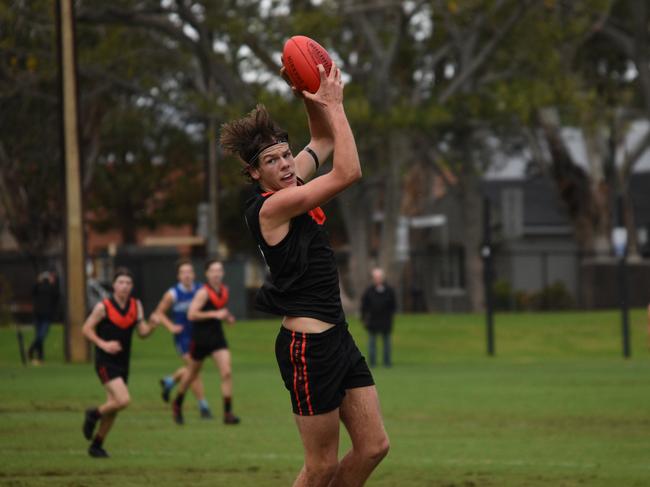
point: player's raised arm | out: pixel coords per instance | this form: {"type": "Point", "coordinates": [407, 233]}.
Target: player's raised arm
{"type": "Point", "coordinates": [320, 145]}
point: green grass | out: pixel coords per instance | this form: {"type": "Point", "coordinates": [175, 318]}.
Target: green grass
{"type": "Point", "coordinates": [557, 406]}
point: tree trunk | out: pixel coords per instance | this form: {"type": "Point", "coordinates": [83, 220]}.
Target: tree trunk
{"type": "Point", "coordinates": [356, 212]}
{"type": "Point", "coordinates": [396, 152]}
{"type": "Point", "coordinates": [472, 211]}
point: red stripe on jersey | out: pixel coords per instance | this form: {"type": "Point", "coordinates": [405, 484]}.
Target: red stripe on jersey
{"type": "Point", "coordinates": [218, 300]}
{"type": "Point", "coordinates": [304, 372]}
{"type": "Point", "coordinates": [118, 319]}
{"type": "Point", "coordinates": [318, 215]}
{"type": "Point", "coordinates": [295, 371]}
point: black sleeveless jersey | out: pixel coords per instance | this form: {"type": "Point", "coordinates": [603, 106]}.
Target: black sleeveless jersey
{"type": "Point", "coordinates": [303, 279]}
{"type": "Point", "coordinates": [204, 331]}
{"type": "Point", "coordinates": [118, 325]}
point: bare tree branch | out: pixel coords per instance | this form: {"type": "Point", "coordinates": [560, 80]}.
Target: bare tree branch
{"type": "Point", "coordinates": [482, 56]}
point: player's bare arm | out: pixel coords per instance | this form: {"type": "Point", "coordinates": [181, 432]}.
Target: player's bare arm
{"type": "Point", "coordinates": [88, 329]}
{"type": "Point", "coordinates": [144, 328]}
{"type": "Point", "coordinates": [321, 143]}
{"type": "Point", "coordinates": [160, 314]}
{"type": "Point", "coordinates": [194, 312]}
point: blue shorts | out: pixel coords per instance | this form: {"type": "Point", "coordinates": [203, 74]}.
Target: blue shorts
{"type": "Point", "coordinates": [182, 342]}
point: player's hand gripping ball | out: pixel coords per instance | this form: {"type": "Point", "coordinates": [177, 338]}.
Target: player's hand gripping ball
{"type": "Point", "coordinates": [300, 58]}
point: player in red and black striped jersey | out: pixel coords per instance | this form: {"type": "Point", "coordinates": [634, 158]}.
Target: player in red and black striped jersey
{"type": "Point", "coordinates": [110, 327]}
{"type": "Point", "coordinates": [207, 311]}
{"type": "Point", "coordinates": [327, 378]}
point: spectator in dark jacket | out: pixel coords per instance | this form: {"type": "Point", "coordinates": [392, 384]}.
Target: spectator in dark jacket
{"type": "Point", "coordinates": [45, 296]}
{"type": "Point", "coordinates": [377, 309]}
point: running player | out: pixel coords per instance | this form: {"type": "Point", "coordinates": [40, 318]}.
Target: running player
{"type": "Point", "coordinates": [326, 375]}
{"type": "Point", "coordinates": [178, 298]}
{"type": "Point", "coordinates": [110, 327]}
{"type": "Point", "coordinates": [207, 310]}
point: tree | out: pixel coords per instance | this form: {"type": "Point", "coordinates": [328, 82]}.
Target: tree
{"type": "Point", "coordinates": [429, 86]}
{"type": "Point", "coordinates": [606, 101]}
{"type": "Point", "coordinates": [146, 175]}
{"type": "Point", "coordinates": [30, 157]}
{"type": "Point", "coordinates": [629, 29]}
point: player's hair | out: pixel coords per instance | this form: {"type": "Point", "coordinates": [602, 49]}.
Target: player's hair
{"type": "Point", "coordinates": [249, 136]}
{"type": "Point", "coordinates": [181, 262]}
{"type": "Point", "coordinates": [122, 271]}
{"type": "Point", "coordinates": [210, 262]}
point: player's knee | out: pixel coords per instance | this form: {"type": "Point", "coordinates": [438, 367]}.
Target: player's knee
{"type": "Point", "coordinates": [376, 450]}
{"type": "Point", "coordinates": [226, 374]}
{"type": "Point", "coordinates": [123, 402]}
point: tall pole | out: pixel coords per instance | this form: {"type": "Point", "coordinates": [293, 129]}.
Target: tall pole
{"type": "Point", "coordinates": [213, 190]}
{"type": "Point", "coordinates": [486, 254]}
{"type": "Point", "coordinates": [620, 247]}
{"type": "Point", "coordinates": [76, 347]}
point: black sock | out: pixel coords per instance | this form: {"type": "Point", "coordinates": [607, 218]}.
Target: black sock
{"type": "Point", "coordinates": [95, 414]}
{"type": "Point", "coordinates": [179, 399]}
{"type": "Point", "coordinates": [98, 441]}
{"type": "Point", "coordinates": [227, 405]}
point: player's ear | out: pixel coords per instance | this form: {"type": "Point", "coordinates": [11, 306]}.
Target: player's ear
{"type": "Point", "coordinates": [254, 173]}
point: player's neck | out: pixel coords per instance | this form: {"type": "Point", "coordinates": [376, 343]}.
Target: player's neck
{"type": "Point", "coordinates": [186, 288]}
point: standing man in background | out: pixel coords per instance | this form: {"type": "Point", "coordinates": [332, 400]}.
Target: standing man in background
{"type": "Point", "coordinates": [45, 296]}
{"type": "Point", "coordinates": [377, 310]}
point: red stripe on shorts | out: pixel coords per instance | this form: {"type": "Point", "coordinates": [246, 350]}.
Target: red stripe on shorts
{"type": "Point", "coordinates": [104, 373]}
{"type": "Point", "coordinates": [304, 372]}
{"type": "Point", "coordinates": [295, 371]}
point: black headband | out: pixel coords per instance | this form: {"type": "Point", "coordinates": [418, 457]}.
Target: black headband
{"type": "Point", "coordinates": [279, 140]}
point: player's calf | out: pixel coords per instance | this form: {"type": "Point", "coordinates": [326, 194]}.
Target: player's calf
{"type": "Point", "coordinates": [90, 422]}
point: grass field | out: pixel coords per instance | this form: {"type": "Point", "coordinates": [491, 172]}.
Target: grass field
{"type": "Point", "coordinates": [557, 406]}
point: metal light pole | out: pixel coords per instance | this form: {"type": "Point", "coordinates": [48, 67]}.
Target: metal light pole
{"type": "Point", "coordinates": [76, 347]}
{"type": "Point", "coordinates": [486, 254]}
{"type": "Point", "coordinates": [619, 241]}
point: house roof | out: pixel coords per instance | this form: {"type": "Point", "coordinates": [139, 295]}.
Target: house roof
{"type": "Point", "coordinates": [514, 165]}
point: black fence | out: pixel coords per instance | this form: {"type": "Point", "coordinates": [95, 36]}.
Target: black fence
{"type": "Point", "coordinates": [154, 271]}
{"type": "Point", "coordinates": [524, 280]}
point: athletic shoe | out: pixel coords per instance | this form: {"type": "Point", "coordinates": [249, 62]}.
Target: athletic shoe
{"type": "Point", "coordinates": [230, 418]}
{"type": "Point", "coordinates": [165, 390]}
{"type": "Point", "coordinates": [96, 451]}
{"type": "Point", "coordinates": [90, 421]}
{"type": "Point", "coordinates": [178, 414]}
{"type": "Point", "coordinates": [206, 413]}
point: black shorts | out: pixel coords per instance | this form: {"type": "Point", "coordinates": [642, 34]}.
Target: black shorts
{"type": "Point", "coordinates": [199, 349]}
{"type": "Point", "coordinates": [317, 368]}
{"type": "Point", "coordinates": [108, 371]}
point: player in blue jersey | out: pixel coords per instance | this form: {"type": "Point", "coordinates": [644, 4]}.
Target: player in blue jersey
{"type": "Point", "coordinates": [178, 299]}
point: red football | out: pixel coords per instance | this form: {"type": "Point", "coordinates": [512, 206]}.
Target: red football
{"type": "Point", "coordinates": [300, 57]}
